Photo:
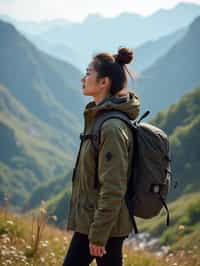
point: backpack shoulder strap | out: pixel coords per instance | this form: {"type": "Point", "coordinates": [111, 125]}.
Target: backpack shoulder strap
{"type": "Point", "coordinates": [101, 118]}
{"type": "Point", "coordinates": [96, 132]}
{"type": "Point", "coordinates": [108, 114]}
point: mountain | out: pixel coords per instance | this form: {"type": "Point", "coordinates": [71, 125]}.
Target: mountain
{"type": "Point", "coordinates": [147, 53]}
{"type": "Point", "coordinates": [170, 77]}
{"type": "Point", "coordinates": [126, 29]}
{"type": "Point", "coordinates": [162, 22]}
{"type": "Point", "coordinates": [40, 108]}
{"type": "Point", "coordinates": [58, 37]}
{"type": "Point", "coordinates": [58, 50]}
{"type": "Point", "coordinates": [31, 151]}
{"type": "Point", "coordinates": [48, 190]}
{"type": "Point", "coordinates": [43, 84]}
{"type": "Point", "coordinates": [181, 121]}
{"type": "Point", "coordinates": [34, 27]}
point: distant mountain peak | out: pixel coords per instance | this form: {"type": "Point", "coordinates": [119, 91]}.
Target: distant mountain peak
{"type": "Point", "coordinates": [130, 14]}
{"type": "Point", "coordinates": [182, 6]}
{"type": "Point", "coordinates": [93, 17]}
{"type": "Point", "coordinates": [7, 28]}
{"type": "Point", "coordinates": [186, 5]}
{"type": "Point", "coordinates": [195, 26]}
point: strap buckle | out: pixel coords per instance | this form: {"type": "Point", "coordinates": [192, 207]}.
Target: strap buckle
{"type": "Point", "coordinates": [87, 136]}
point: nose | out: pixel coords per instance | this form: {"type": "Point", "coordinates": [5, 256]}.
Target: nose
{"type": "Point", "coordinates": [83, 79]}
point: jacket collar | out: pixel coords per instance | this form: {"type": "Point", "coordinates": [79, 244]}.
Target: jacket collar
{"type": "Point", "coordinates": [128, 104]}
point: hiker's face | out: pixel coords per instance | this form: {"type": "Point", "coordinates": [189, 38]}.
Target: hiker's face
{"type": "Point", "coordinates": [91, 85]}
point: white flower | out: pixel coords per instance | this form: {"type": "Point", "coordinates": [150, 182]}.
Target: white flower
{"type": "Point", "coordinates": [54, 218]}
{"type": "Point", "coordinates": [42, 259]}
{"type": "Point", "coordinates": [10, 222]}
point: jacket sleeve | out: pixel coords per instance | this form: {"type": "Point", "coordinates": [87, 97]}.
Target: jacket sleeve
{"type": "Point", "coordinates": [112, 174]}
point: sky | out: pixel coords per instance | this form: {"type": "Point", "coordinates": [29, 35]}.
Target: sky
{"type": "Point", "coordinates": [78, 10]}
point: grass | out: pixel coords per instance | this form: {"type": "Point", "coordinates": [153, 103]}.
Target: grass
{"type": "Point", "coordinates": [184, 229]}
{"type": "Point", "coordinates": [30, 240]}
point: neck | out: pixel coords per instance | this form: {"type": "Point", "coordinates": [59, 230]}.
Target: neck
{"type": "Point", "coordinates": [99, 98]}
{"type": "Point", "coordinates": [123, 92]}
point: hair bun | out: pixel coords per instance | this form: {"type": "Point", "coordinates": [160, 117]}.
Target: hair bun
{"type": "Point", "coordinates": [124, 56]}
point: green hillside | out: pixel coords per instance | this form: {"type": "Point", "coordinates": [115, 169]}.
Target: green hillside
{"type": "Point", "coordinates": [43, 84]}
{"type": "Point", "coordinates": [40, 108]}
{"type": "Point", "coordinates": [31, 151]}
{"type": "Point", "coordinates": [48, 190]}
{"type": "Point", "coordinates": [184, 229]}
{"type": "Point", "coordinates": [182, 122]}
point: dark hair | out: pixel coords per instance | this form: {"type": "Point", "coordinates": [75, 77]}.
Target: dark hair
{"type": "Point", "coordinates": [114, 67]}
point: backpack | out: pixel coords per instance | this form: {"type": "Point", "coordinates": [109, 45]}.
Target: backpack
{"type": "Point", "coordinates": [149, 182]}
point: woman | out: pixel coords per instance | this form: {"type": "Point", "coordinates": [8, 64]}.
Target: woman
{"type": "Point", "coordinates": [99, 217]}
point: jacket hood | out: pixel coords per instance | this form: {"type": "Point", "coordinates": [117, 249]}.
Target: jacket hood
{"type": "Point", "coordinates": [128, 104]}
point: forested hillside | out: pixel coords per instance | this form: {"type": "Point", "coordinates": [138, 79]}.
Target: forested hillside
{"type": "Point", "coordinates": [40, 116]}
{"type": "Point", "coordinates": [182, 122]}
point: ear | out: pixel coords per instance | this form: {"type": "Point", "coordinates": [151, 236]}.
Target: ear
{"type": "Point", "coordinates": [106, 82]}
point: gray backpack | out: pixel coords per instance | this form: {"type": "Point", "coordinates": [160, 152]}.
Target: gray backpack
{"type": "Point", "coordinates": [149, 182]}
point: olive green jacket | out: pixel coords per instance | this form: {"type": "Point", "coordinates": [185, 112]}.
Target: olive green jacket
{"type": "Point", "coordinates": [102, 213]}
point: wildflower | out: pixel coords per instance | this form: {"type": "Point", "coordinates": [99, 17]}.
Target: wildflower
{"type": "Point", "coordinates": [66, 241]}
{"type": "Point", "coordinates": [6, 240]}
{"type": "Point", "coordinates": [43, 211]}
{"type": "Point", "coordinates": [124, 255]}
{"type": "Point", "coordinates": [44, 244]}
{"type": "Point", "coordinates": [43, 202]}
{"type": "Point", "coordinates": [9, 262]}
{"type": "Point", "coordinates": [189, 251]}
{"type": "Point", "coordinates": [23, 259]}
{"type": "Point", "coordinates": [13, 252]}
{"type": "Point", "coordinates": [52, 254]}
{"type": "Point", "coordinates": [13, 248]}
{"type": "Point", "coordinates": [54, 218]}
{"type": "Point", "coordinates": [42, 259]}
{"type": "Point", "coordinates": [4, 252]}
{"type": "Point", "coordinates": [10, 222]}
{"type": "Point", "coordinates": [56, 239]}
{"type": "Point", "coordinates": [28, 247]}
{"type": "Point", "coordinates": [4, 235]}
{"type": "Point", "coordinates": [181, 227]}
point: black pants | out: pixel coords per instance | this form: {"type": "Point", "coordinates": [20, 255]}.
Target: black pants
{"type": "Point", "coordinates": [78, 253]}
